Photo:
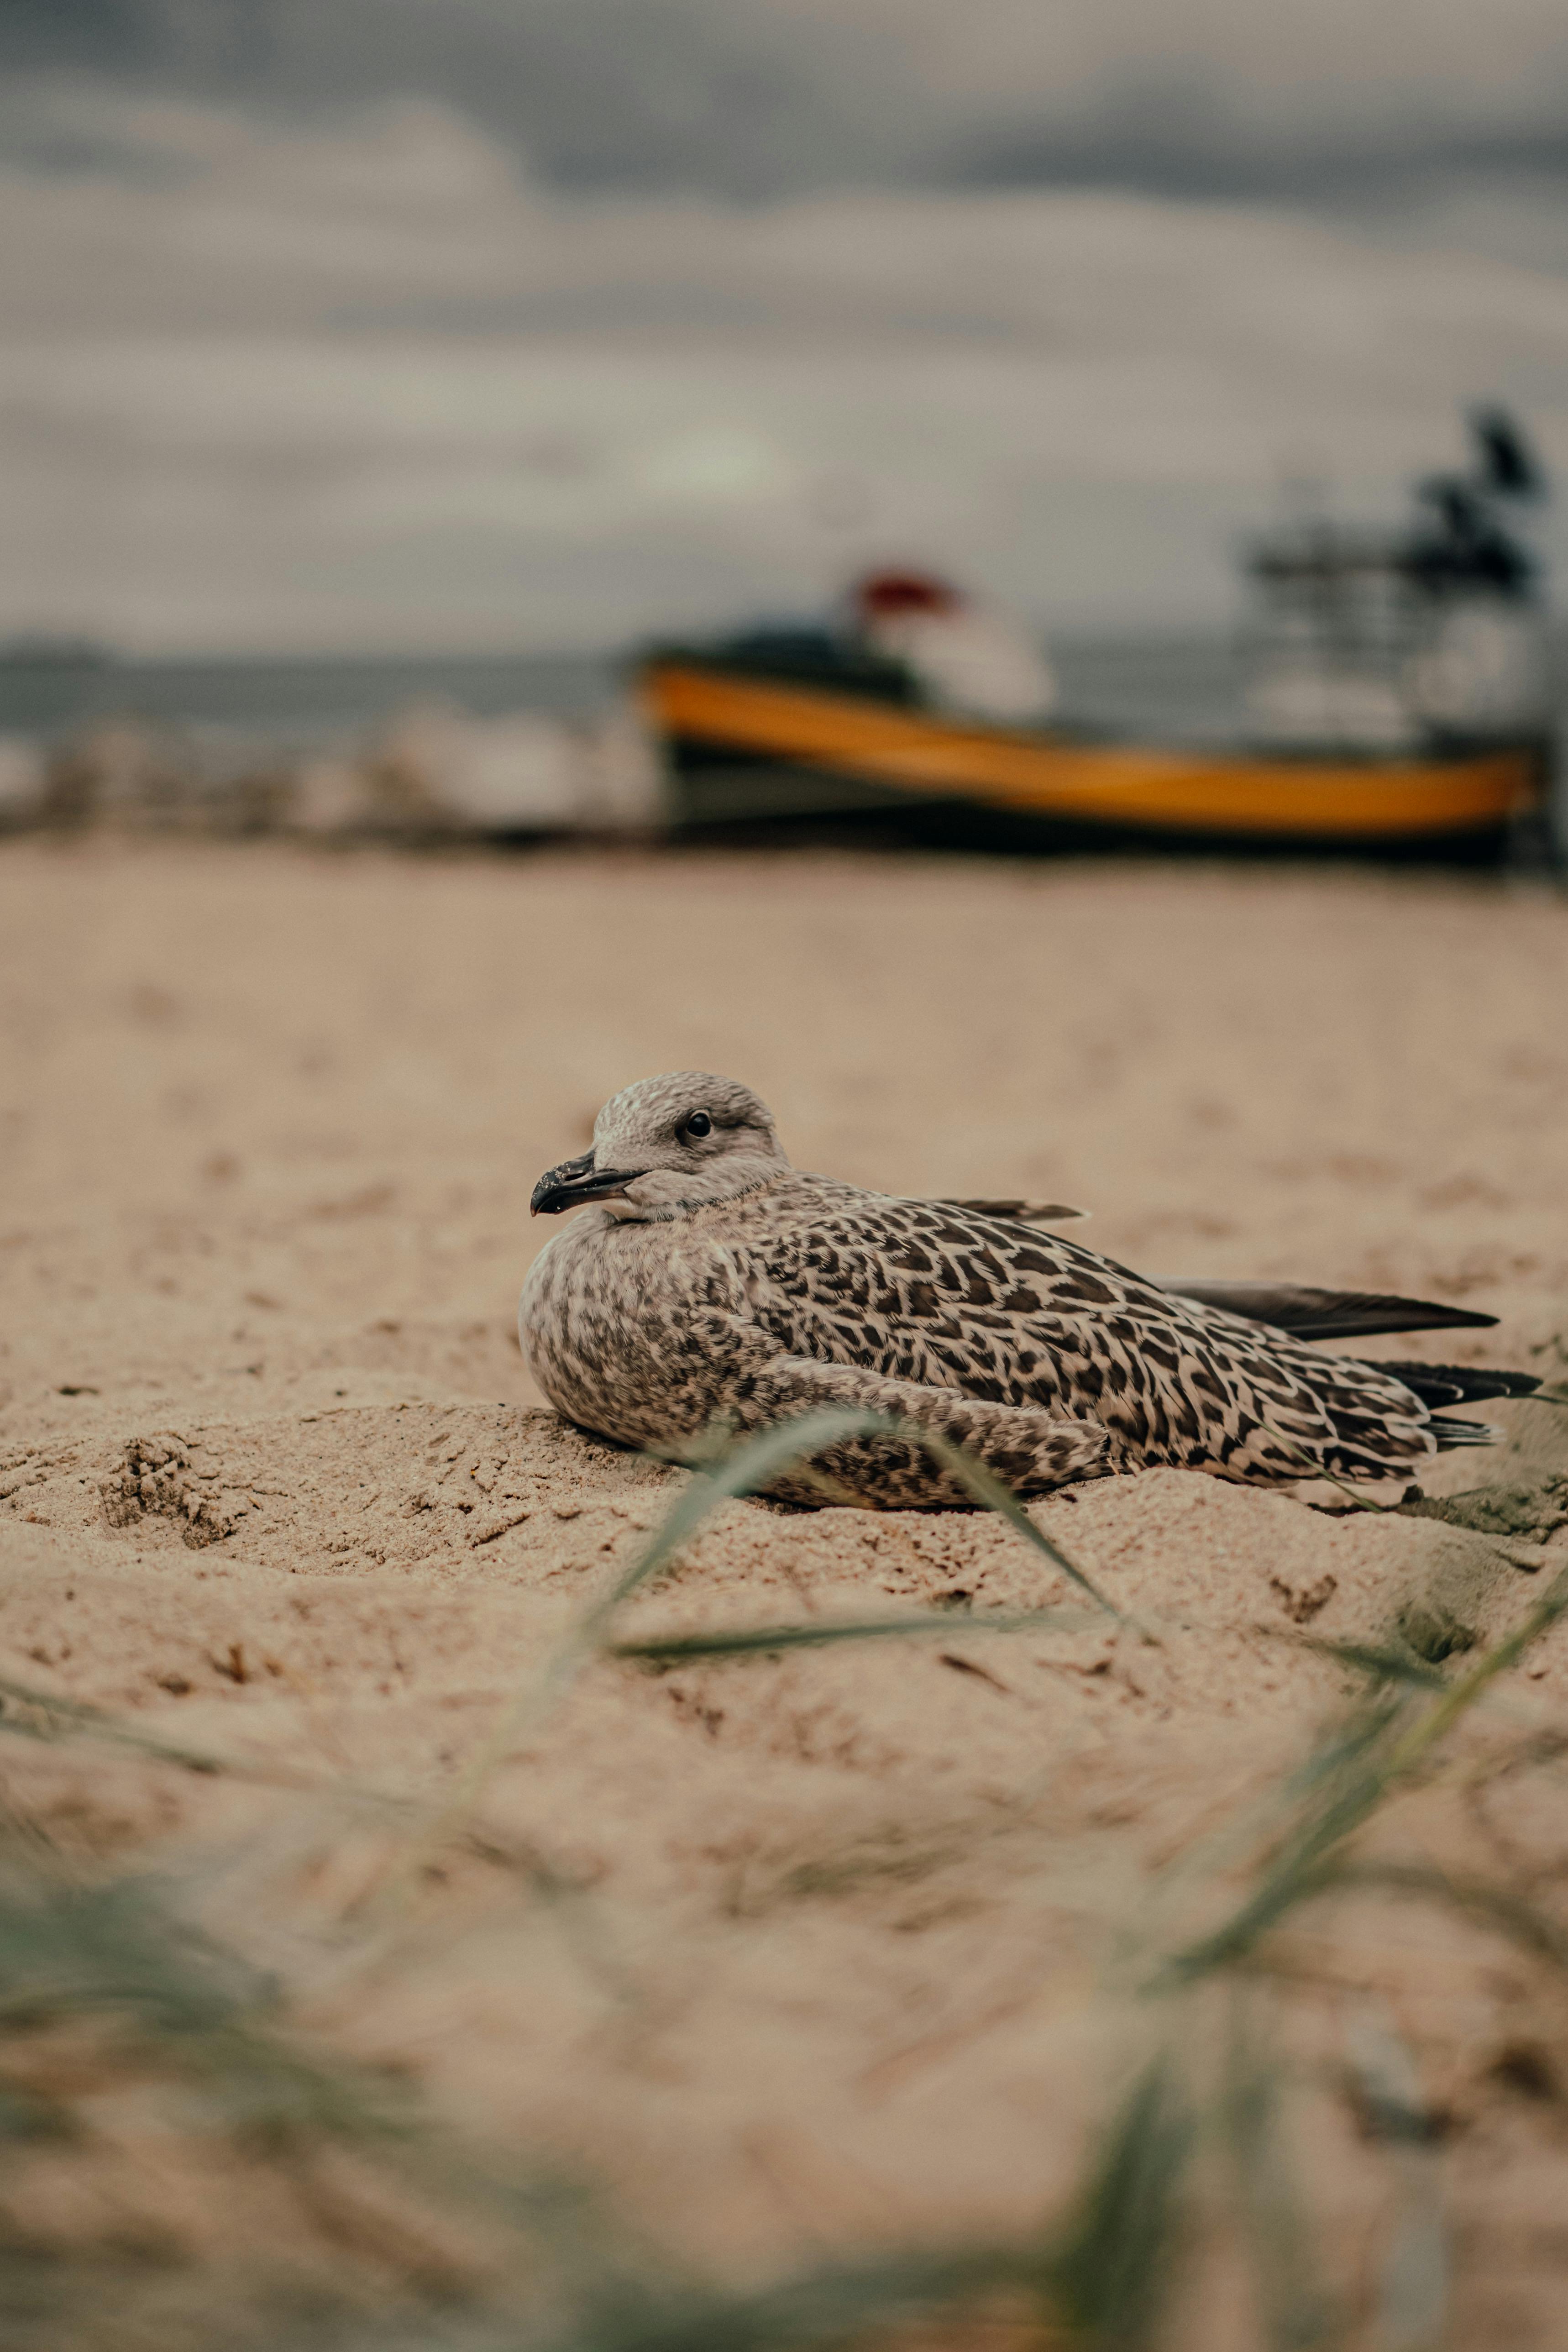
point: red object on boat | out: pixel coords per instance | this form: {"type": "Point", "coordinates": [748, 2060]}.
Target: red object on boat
{"type": "Point", "coordinates": [882, 593]}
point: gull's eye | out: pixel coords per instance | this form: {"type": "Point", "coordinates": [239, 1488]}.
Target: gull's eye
{"type": "Point", "coordinates": [699, 1124]}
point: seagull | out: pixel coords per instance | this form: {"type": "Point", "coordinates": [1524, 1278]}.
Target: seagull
{"type": "Point", "coordinates": [710, 1287]}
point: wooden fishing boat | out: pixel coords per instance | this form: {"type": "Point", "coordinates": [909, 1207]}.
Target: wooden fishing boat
{"type": "Point", "coordinates": [743, 741]}
{"type": "Point", "coordinates": [1395, 699]}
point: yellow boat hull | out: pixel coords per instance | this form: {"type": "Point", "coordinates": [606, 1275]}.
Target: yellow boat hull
{"type": "Point", "coordinates": [1120, 786]}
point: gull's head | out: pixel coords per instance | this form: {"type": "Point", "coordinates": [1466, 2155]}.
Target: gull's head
{"type": "Point", "coordinates": [668, 1146]}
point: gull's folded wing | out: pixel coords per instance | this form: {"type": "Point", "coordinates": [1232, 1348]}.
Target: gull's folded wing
{"type": "Point", "coordinates": [1297, 1307]}
{"type": "Point", "coordinates": [1326, 1313]}
{"type": "Point", "coordinates": [1442, 1384]}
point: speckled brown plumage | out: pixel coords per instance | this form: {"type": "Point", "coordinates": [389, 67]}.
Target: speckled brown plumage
{"type": "Point", "coordinates": [715, 1285]}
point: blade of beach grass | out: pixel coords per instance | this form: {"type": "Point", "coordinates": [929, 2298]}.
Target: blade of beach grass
{"type": "Point", "coordinates": [1378, 1753]}
{"type": "Point", "coordinates": [749, 1639]}
{"type": "Point", "coordinates": [1348, 1790]}
{"type": "Point", "coordinates": [836, 2305]}
{"type": "Point", "coordinates": [115, 1953]}
{"type": "Point", "coordinates": [1109, 2276]}
{"type": "Point", "coordinates": [1102, 2281]}
{"type": "Point", "coordinates": [29, 1714]}
{"type": "Point", "coordinates": [1463, 1693]}
{"type": "Point", "coordinates": [336, 1802]}
{"type": "Point", "coordinates": [1389, 1665]}
{"type": "Point", "coordinates": [1381, 1665]}
{"type": "Point", "coordinates": [1273, 1814]}
{"type": "Point", "coordinates": [1380, 1662]}
{"type": "Point", "coordinates": [1499, 1906]}
{"type": "Point", "coordinates": [1296, 1872]}
{"type": "Point", "coordinates": [763, 1458]}
{"type": "Point", "coordinates": [201, 2027]}
{"type": "Point", "coordinates": [998, 1497]}
{"type": "Point", "coordinates": [525, 1713]}
{"type": "Point", "coordinates": [742, 1472]}
{"type": "Point", "coordinates": [1266, 1819]}
{"type": "Point", "coordinates": [1388, 1671]}
{"type": "Point", "coordinates": [1316, 1470]}
{"type": "Point", "coordinates": [1354, 1738]}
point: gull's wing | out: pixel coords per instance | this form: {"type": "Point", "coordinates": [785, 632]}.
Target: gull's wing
{"type": "Point", "coordinates": [1309, 1313]}
{"type": "Point", "coordinates": [1007, 1315]}
{"type": "Point", "coordinates": [1325, 1314]}
{"type": "Point", "coordinates": [1012, 1314]}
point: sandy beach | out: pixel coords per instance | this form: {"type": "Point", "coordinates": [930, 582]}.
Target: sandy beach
{"type": "Point", "coordinates": [798, 1956]}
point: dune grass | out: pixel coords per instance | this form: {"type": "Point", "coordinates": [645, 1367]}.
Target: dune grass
{"type": "Point", "coordinates": [107, 1988]}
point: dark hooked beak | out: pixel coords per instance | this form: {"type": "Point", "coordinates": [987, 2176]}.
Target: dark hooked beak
{"type": "Point", "coordinates": [579, 1180]}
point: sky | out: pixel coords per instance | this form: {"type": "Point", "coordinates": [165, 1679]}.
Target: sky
{"type": "Point", "coordinates": [341, 325]}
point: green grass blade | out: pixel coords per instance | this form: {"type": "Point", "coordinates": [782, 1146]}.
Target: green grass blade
{"type": "Point", "coordinates": [998, 1497]}
{"type": "Point", "coordinates": [766, 1457]}
{"type": "Point", "coordinates": [749, 1639]}
{"type": "Point", "coordinates": [1377, 1756]}
{"type": "Point", "coordinates": [30, 1714]}
{"type": "Point", "coordinates": [755, 1464]}
{"type": "Point", "coordinates": [1499, 1906]}
{"type": "Point", "coordinates": [1108, 2275]}
{"type": "Point", "coordinates": [749, 1467]}
{"type": "Point", "coordinates": [1462, 1695]}
{"type": "Point", "coordinates": [1384, 1666]}
{"type": "Point", "coordinates": [836, 2305]}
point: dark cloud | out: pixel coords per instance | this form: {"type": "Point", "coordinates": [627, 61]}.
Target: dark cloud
{"type": "Point", "coordinates": [1183, 138]}
{"type": "Point", "coordinates": [100, 35]}
{"type": "Point", "coordinates": [755, 98]}
{"type": "Point", "coordinates": [621, 95]}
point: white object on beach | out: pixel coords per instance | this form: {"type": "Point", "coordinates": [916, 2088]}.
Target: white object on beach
{"type": "Point", "coordinates": [523, 772]}
{"type": "Point", "coordinates": [22, 773]}
{"type": "Point", "coordinates": [330, 795]}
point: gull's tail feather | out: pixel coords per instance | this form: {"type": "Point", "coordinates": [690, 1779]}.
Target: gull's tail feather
{"type": "Point", "coordinates": [1451, 1435]}
{"type": "Point", "coordinates": [1310, 1313]}
{"type": "Point", "coordinates": [1443, 1384]}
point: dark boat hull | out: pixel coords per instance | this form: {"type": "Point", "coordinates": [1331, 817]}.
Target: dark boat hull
{"type": "Point", "coordinates": [745, 749]}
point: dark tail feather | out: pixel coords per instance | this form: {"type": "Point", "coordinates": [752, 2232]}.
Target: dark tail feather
{"type": "Point", "coordinates": [1327, 1313]}
{"type": "Point", "coordinates": [1452, 1434]}
{"type": "Point", "coordinates": [1442, 1384]}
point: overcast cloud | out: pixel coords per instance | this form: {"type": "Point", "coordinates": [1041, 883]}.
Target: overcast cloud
{"type": "Point", "coordinates": [352, 324]}
{"type": "Point", "coordinates": [755, 98]}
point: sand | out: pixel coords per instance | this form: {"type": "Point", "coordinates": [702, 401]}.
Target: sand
{"type": "Point", "coordinates": [802, 1954]}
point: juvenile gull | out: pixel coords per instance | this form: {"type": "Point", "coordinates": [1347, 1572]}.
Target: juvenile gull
{"type": "Point", "coordinates": [709, 1282]}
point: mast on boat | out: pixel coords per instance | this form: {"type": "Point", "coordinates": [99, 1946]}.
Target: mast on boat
{"type": "Point", "coordinates": [1430, 634]}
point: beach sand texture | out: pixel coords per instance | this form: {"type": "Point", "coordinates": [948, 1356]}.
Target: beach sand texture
{"type": "Point", "coordinates": [803, 1955]}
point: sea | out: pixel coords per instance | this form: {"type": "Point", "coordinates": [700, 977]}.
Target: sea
{"type": "Point", "coordinates": [1171, 688]}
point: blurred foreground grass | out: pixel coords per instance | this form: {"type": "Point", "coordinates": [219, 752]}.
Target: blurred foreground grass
{"type": "Point", "coordinates": [302, 2199]}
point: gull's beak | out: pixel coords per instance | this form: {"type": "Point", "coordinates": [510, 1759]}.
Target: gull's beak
{"type": "Point", "coordinates": [578, 1180]}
